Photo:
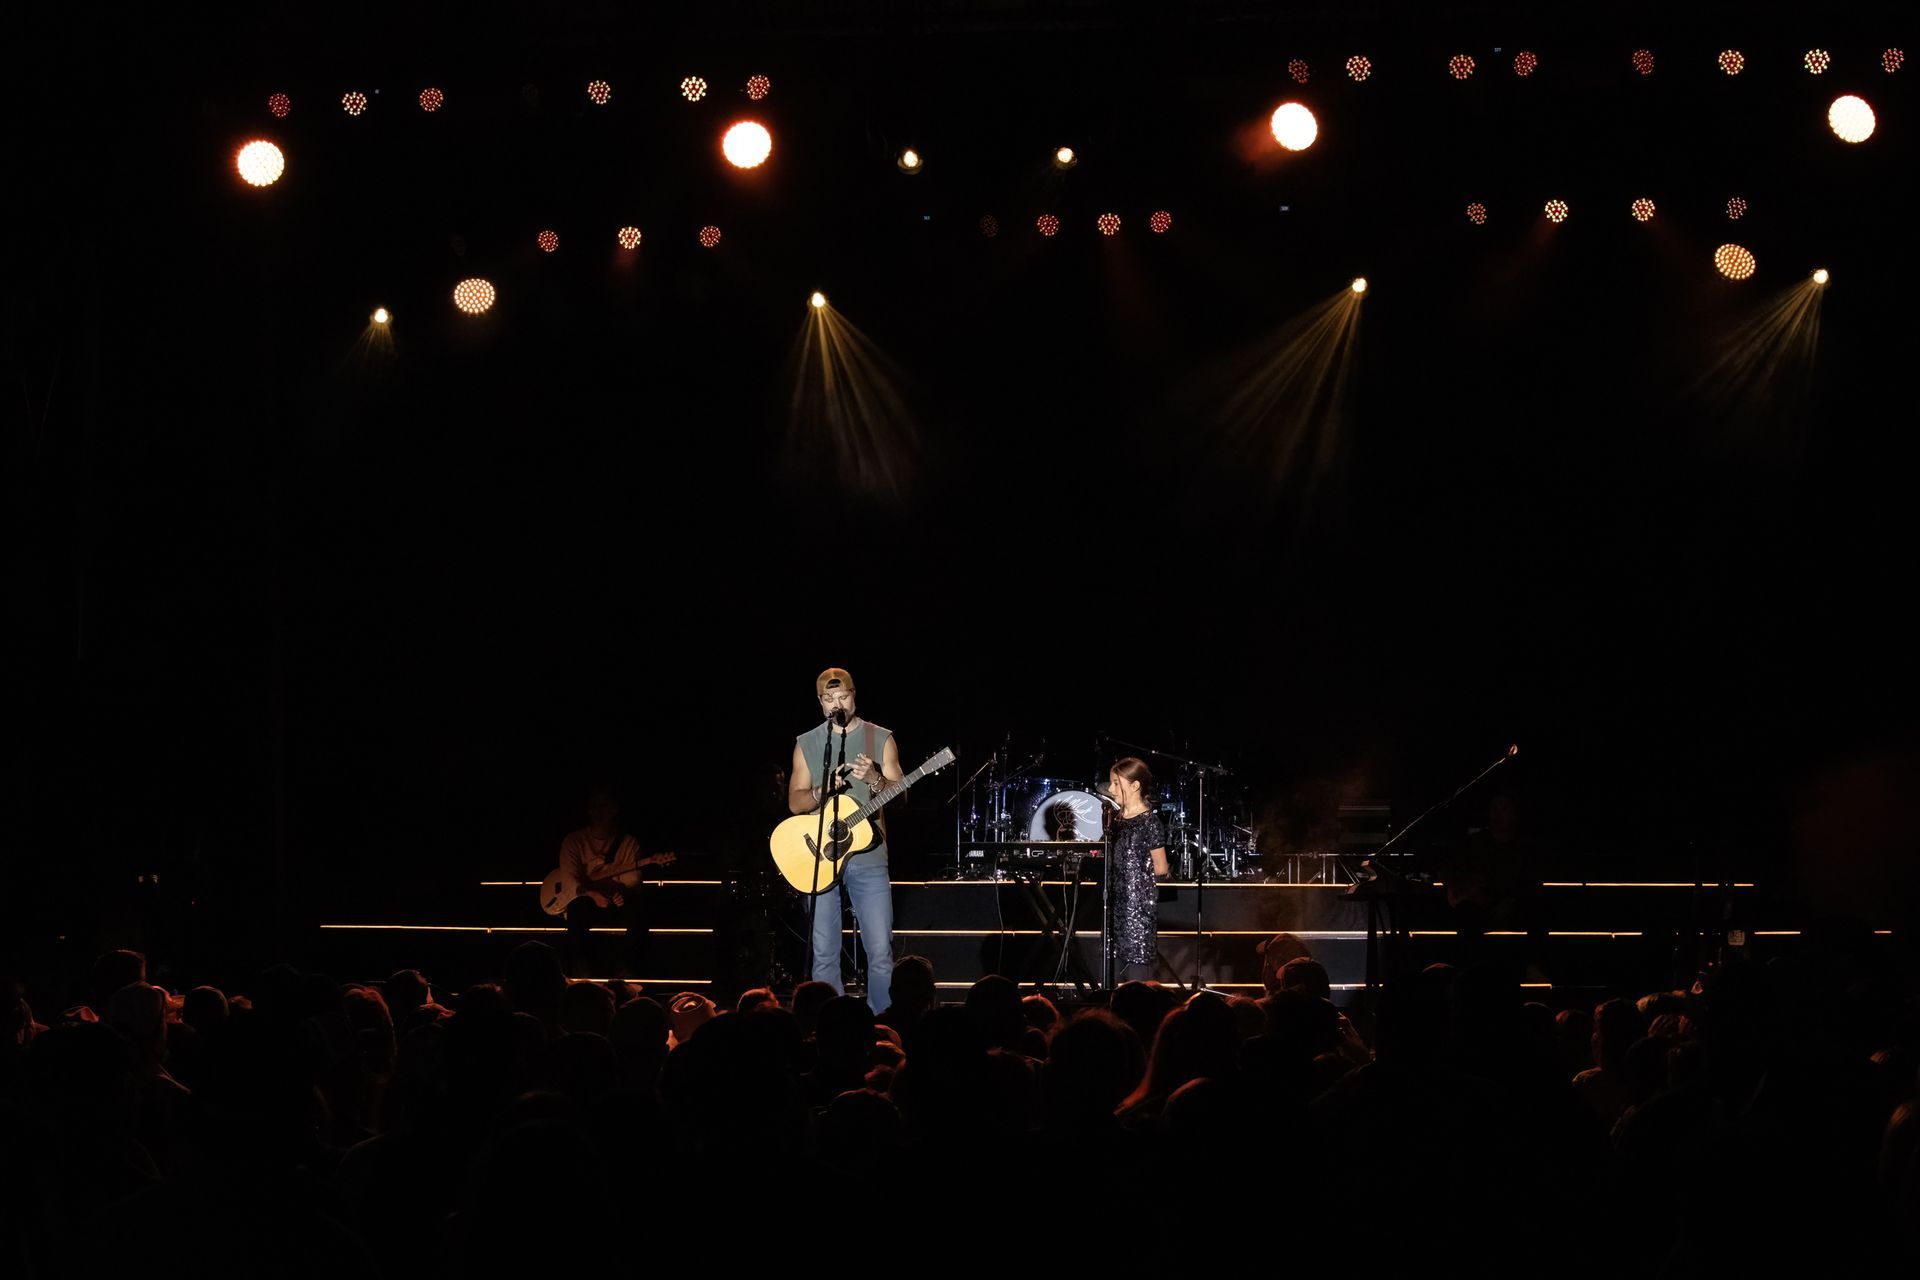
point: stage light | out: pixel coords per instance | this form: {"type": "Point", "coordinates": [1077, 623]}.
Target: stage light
{"type": "Point", "coordinates": [1108, 223]}
{"type": "Point", "coordinates": [1298, 70]}
{"type": "Point", "coordinates": [1850, 118]}
{"type": "Point", "coordinates": [353, 103]}
{"type": "Point", "coordinates": [1820, 275]}
{"type": "Point", "coordinates": [1732, 61]}
{"type": "Point", "coordinates": [1891, 60]}
{"type": "Point", "coordinates": [381, 315]}
{"type": "Point", "coordinates": [1294, 126]}
{"type": "Point", "coordinates": [989, 225]}
{"type": "Point", "coordinates": [1476, 213]}
{"type": "Point", "coordinates": [693, 88]}
{"type": "Point", "coordinates": [1818, 60]}
{"type": "Point", "coordinates": [548, 241]}
{"type": "Point", "coordinates": [473, 295]}
{"type": "Point", "coordinates": [848, 421]}
{"type": "Point", "coordinates": [1064, 158]}
{"type": "Point", "coordinates": [709, 236]}
{"type": "Point", "coordinates": [627, 237]}
{"type": "Point", "coordinates": [1736, 209]}
{"type": "Point", "coordinates": [1460, 66]}
{"type": "Point", "coordinates": [1643, 61]}
{"type": "Point", "coordinates": [1359, 66]}
{"type": "Point", "coordinates": [431, 99]}
{"type": "Point", "coordinates": [1160, 222]}
{"type": "Point", "coordinates": [1643, 210]}
{"type": "Point", "coordinates": [1359, 284]}
{"type": "Point", "coordinates": [758, 87]}
{"type": "Point", "coordinates": [1733, 262]}
{"type": "Point", "coordinates": [280, 104]}
{"type": "Point", "coordinates": [1525, 63]}
{"type": "Point", "coordinates": [909, 161]}
{"type": "Point", "coordinates": [747, 145]}
{"type": "Point", "coordinates": [1557, 211]}
{"type": "Point", "coordinates": [1047, 225]}
{"type": "Point", "coordinates": [260, 163]}
{"type": "Point", "coordinates": [599, 91]}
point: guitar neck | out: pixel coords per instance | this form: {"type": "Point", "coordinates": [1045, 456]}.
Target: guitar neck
{"type": "Point", "coordinates": [893, 790]}
{"type": "Point", "coordinates": [638, 865]}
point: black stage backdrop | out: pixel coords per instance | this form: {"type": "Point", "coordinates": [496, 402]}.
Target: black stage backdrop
{"type": "Point", "coordinates": [306, 625]}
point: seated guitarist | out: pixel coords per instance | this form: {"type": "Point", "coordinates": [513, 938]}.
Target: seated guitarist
{"type": "Point", "coordinates": [873, 763]}
{"type": "Point", "coordinates": [592, 853]}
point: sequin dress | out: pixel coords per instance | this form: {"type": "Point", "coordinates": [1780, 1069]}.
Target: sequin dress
{"type": "Point", "coordinates": [1134, 890]}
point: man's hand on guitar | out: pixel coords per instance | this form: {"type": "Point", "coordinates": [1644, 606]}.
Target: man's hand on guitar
{"type": "Point", "coordinates": [864, 768]}
{"type": "Point", "coordinates": [600, 899]}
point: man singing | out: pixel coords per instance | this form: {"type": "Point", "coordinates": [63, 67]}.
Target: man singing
{"type": "Point", "coordinates": [876, 763]}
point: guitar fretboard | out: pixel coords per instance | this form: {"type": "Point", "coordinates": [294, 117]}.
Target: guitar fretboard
{"type": "Point", "coordinates": [886, 793]}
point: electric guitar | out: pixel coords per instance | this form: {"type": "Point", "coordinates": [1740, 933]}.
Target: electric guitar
{"type": "Point", "coordinates": [814, 867]}
{"type": "Point", "coordinates": [561, 886]}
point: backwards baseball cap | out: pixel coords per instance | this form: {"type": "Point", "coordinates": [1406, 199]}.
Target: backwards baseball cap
{"type": "Point", "coordinates": [832, 678]}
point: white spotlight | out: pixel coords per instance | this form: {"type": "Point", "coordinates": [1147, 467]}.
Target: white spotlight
{"type": "Point", "coordinates": [260, 163]}
{"type": "Point", "coordinates": [1850, 118]}
{"type": "Point", "coordinates": [909, 161]}
{"type": "Point", "coordinates": [381, 315]}
{"type": "Point", "coordinates": [1294, 126]}
{"type": "Point", "coordinates": [1820, 275]}
{"type": "Point", "coordinates": [1359, 284]}
{"type": "Point", "coordinates": [818, 300]}
{"type": "Point", "coordinates": [1064, 158]}
{"type": "Point", "coordinates": [747, 145]}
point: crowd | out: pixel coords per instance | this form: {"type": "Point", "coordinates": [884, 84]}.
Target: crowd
{"type": "Point", "coordinates": [308, 1127]}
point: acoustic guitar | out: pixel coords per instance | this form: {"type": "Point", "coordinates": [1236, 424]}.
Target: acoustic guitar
{"type": "Point", "coordinates": [814, 867]}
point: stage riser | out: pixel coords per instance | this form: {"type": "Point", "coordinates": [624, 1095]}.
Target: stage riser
{"type": "Point", "coordinates": [1260, 908]}
{"type": "Point", "coordinates": [1625, 936]}
{"type": "Point", "coordinates": [682, 959]}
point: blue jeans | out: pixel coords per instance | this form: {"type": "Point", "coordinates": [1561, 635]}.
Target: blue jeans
{"type": "Point", "coordinates": [870, 890]}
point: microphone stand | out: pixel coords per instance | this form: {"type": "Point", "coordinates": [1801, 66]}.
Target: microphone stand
{"type": "Point", "coordinates": [1505, 756]}
{"type": "Point", "coordinates": [959, 842]}
{"type": "Point", "coordinates": [1200, 881]}
{"type": "Point", "coordinates": [1389, 897]}
{"type": "Point", "coordinates": [829, 781]}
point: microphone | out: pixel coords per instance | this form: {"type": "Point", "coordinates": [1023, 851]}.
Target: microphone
{"type": "Point", "coordinates": [1106, 799]}
{"type": "Point", "coordinates": [840, 716]}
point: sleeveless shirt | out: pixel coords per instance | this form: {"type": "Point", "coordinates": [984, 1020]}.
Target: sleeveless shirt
{"type": "Point", "coordinates": [814, 740]}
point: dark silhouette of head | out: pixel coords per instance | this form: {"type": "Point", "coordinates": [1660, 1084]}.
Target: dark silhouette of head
{"type": "Point", "coordinates": [808, 999]}
{"type": "Point", "coordinates": [994, 1005]}
{"type": "Point", "coordinates": [586, 1007]}
{"type": "Point", "coordinates": [535, 980]}
{"type": "Point", "coordinates": [912, 991]}
{"type": "Point", "coordinates": [1142, 1005]}
{"type": "Point", "coordinates": [1093, 1062]}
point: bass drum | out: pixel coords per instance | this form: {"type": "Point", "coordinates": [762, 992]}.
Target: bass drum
{"type": "Point", "coordinates": [1055, 809]}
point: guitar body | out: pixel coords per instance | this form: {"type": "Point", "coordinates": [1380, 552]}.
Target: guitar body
{"type": "Point", "coordinates": [793, 845]}
{"type": "Point", "coordinates": [812, 865]}
{"type": "Point", "coordinates": [561, 887]}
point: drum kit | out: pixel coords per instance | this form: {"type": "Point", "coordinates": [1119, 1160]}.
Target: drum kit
{"type": "Point", "coordinates": [1011, 814]}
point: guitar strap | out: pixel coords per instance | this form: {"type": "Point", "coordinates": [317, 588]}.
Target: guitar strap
{"type": "Point", "coordinates": [614, 846]}
{"type": "Point", "coordinates": [880, 818]}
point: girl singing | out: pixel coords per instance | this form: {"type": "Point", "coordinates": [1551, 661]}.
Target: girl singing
{"type": "Point", "coordinates": [1139, 852]}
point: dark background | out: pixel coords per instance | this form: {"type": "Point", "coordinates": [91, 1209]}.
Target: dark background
{"type": "Point", "coordinates": [305, 627]}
